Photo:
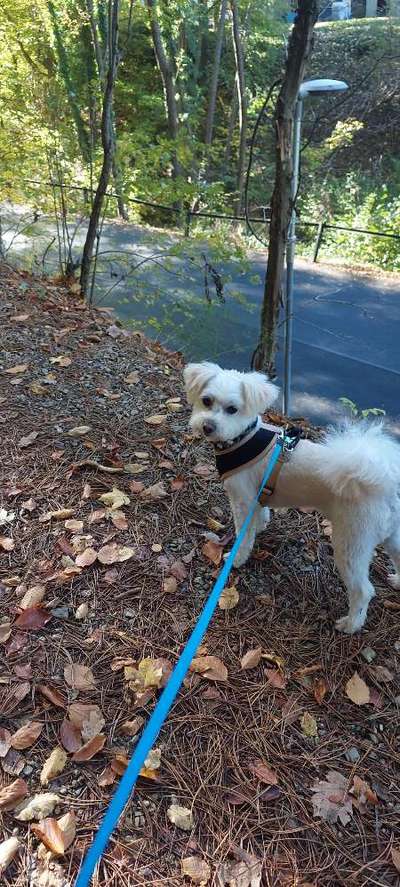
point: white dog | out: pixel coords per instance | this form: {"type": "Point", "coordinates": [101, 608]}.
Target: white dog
{"type": "Point", "coordinates": [352, 476]}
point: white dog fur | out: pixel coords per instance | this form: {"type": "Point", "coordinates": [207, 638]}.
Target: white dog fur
{"type": "Point", "coordinates": [352, 477]}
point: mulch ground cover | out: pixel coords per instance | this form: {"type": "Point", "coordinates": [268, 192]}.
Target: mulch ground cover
{"type": "Point", "coordinates": [279, 763]}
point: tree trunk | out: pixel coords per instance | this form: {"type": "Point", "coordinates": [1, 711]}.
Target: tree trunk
{"type": "Point", "coordinates": [241, 91]}
{"type": "Point", "coordinates": [212, 95]}
{"type": "Point", "coordinates": [108, 143]}
{"type": "Point", "coordinates": [168, 80]}
{"type": "Point", "coordinates": [299, 48]}
{"type": "Point", "coordinates": [231, 125]}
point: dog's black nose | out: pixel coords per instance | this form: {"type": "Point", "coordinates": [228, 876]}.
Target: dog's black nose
{"type": "Point", "coordinates": [208, 428]}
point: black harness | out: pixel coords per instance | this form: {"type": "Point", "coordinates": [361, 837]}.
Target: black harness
{"type": "Point", "coordinates": [250, 447]}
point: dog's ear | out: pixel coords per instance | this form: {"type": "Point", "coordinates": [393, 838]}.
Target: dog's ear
{"type": "Point", "coordinates": [258, 393]}
{"type": "Point", "coordinates": [196, 376]}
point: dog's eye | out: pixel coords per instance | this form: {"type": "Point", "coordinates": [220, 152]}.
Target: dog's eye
{"type": "Point", "coordinates": [207, 401]}
{"type": "Point", "coordinates": [231, 410]}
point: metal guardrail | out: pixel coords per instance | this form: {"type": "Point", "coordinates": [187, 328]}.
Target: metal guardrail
{"type": "Point", "coordinates": [188, 215]}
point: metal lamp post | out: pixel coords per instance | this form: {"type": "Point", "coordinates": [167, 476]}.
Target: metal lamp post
{"type": "Point", "coordinates": [309, 87]}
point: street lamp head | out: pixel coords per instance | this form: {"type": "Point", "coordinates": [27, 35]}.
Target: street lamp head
{"type": "Point", "coordinates": [320, 87]}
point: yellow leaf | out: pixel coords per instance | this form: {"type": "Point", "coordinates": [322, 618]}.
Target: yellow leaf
{"type": "Point", "coordinates": [309, 725]}
{"type": "Point", "coordinates": [54, 765]}
{"type": "Point", "coordinates": [229, 598]}
{"type": "Point", "coordinates": [182, 817]}
{"type": "Point", "coordinates": [196, 869]}
{"type": "Point", "coordinates": [357, 690]}
{"type": "Point", "coordinates": [115, 499]}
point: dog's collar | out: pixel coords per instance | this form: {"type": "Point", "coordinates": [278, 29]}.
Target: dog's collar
{"type": "Point", "coordinates": [224, 445]}
{"type": "Point", "coordinates": [256, 443]}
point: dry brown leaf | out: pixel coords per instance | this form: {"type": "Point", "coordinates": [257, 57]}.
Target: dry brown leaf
{"type": "Point", "coordinates": [251, 659]}
{"type": "Point", "coordinates": [23, 671]}
{"type": "Point", "coordinates": [157, 419]}
{"type": "Point", "coordinates": [29, 505]}
{"type": "Point", "coordinates": [15, 370]}
{"type": "Point", "coordinates": [8, 850]}
{"type": "Point", "coordinates": [245, 873]}
{"type": "Point", "coordinates": [107, 777]}
{"type": "Point", "coordinates": [275, 678]}
{"type": "Point", "coordinates": [75, 525]}
{"type": "Point", "coordinates": [203, 469]}
{"type": "Point", "coordinates": [6, 543]}
{"type": "Point", "coordinates": [33, 618]}
{"type": "Point", "coordinates": [136, 486]}
{"type": "Point", "coordinates": [395, 854]}
{"type": "Point", "coordinates": [87, 558]}
{"type": "Point", "coordinates": [213, 551]}
{"type": "Point", "coordinates": [331, 800]}
{"type": "Point", "coordinates": [90, 749]}
{"type": "Point", "coordinates": [263, 772]}
{"type": "Point", "coordinates": [382, 674]}
{"type": "Point", "coordinates": [155, 492]}
{"type": "Point", "coordinates": [114, 553]}
{"type": "Point", "coordinates": [362, 794]}
{"type": "Point", "coordinates": [210, 667]}
{"type": "Point", "coordinates": [229, 598]}
{"type": "Point", "coordinates": [170, 585]}
{"type": "Point", "coordinates": [52, 695]}
{"type": "Point", "coordinates": [27, 735]}
{"type": "Point", "coordinates": [32, 597]}
{"type": "Point", "coordinates": [196, 869]}
{"type": "Point", "coordinates": [12, 795]}
{"type": "Point", "coordinates": [115, 499]}
{"type": "Point", "coordinates": [178, 570]}
{"type": "Point", "coordinates": [357, 690]}
{"type": "Point", "coordinates": [182, 817]}
{"type": "Point", "coordinates": [131, 378]}
{"type": "Point", "coordinates": [49, 833]}
{"type": "Point", "coordinates": [54, 765]}
{"type": "Point", "coordinates": [62, 360]}
{"type": "Point", "coordinates": [67, 825]}
{"type": "Point", "coordinates": [70, 736]}
{"type": "Point", "coordinates": [309, 725]}
{"type": "Point", "coordinates": [5, 741]}
{"type": "Point", "coordinates": [37, 388]}
{"type": "Point", "coordinates": [13, 763]}
{"type": "Point", "coordinates": [28, 440]}
{"type": "Point", "coordinates": [58, 514]}
{"type": "Point", "coordinates": [78, 431]}
{"type": "Point", "coordinates": [131, 728]}
{"type": "Point", "coordinates": [320, 689]}
{"type": "Point", "coordinates": [119, 520]}
{"type": "Point", "coordinates": [81, 612]}
{"type": "Point", "coordinates": [79, 677]}
{"type": "Point", "coordinates": [37, 807]}
{"type": "Point", "coordinates": [79, 712]}
{"type": "Point", "coordinates": [177, 484]}
{"type": "Point", "coordinates": [5, 632]}
{"type": "Point", "coordinates": [92, 725]}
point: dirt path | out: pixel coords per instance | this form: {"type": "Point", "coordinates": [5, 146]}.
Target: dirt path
{"type": "Point", "coordinates": [97, 598]}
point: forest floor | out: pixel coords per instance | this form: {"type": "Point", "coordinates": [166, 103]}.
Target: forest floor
{"type": "Point", "coordinates": [113, 525]}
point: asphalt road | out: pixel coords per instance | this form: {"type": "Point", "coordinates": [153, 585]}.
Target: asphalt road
{"type": "Point", "coordinates": [346, 327]}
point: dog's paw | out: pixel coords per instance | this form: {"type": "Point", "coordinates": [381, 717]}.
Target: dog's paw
{"type": "Point", "coordinates": [348, 625]}
{"type": "Point", "coordinates": [394, 580]}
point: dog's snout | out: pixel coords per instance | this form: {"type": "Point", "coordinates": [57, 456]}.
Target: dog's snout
{"type": "Point", "coordinates": [208, 428]}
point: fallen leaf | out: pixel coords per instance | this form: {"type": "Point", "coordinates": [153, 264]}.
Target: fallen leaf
{"type": "Point", "coordinates": [275, 659]}
{"type": "Point", "coordinates": [119, 764]}
{"type": "Point", "coordinates": [391, 605]}
{"type": "Point", "coordinates": [67, 825]}
{"type": "Point", "coordinates": [309, 725]}
{"type": "Point", "coordinates": [213, 551]}
{"type": "Point", "coordinates": [52, 695]}
{"type": "Point", "coordinates": [135, 468]}
{"type": "Point", "coordinates": [27, 735]}
{"type": "Point", "coordinates": [357, 690]}
{"type": "Point", "coordinates": [87, 558]}
{"type": "Point", "coordinates": [79, 677]}
{"type": "Point", "coordinates": [395, 854]}
{"type": "Point", "coordinates": [33, 618]}
{"type": "Point", "coordinates": [79, 712]}
{"type": "Point", "coordinates": [15, 370]}
{"type": "Point", "coordinates": [23, 671]}
{"type": "Point", "coordinates": [196, 869]}
{"type": "Point", "coordinates": [203, 469]}
{"type": "Point", "coordinates": [28, 440]}
{"type": "Point", "coordinates": [251, 659]}
{"type": "Point", "coordinates": [5, 741]}
{"type": "Point", "coordinates": [263, 772]}
{"type": "Point", "coordinates": [8, 850]}
{"type": "Point", "coordinates": [92, 725]}
{"type": "Point", "coordinates": [32, 597]}
{"type": "Point", "coordinates": [81, 612]}
{"type": "Point", "coordinates": [210, 667]}
{"type": "Point", "coordinates": [131, 378]}
{"type": "Point", "coordinates": [20, 317]}
{"type": "Point", "coordinates": [157, 419]}
{"type": "Point", "coordinates": [182, 817]}
{"type": "Point", "coordinates": [90, 749]}
{"type": "Point", "coordinates": [79, 431]}
{"type": "Point", "coordinates": [53, 765]}
{"type": "Point", "coordinates": [362, 794]}
{"type": "Point", "coordinates": [107, 777]}
{"type": "Point", "coordinates": [37, 388]}
{"type": "Point", "coordinates": [12, 795]}
{"type": "Point", "coordinates": [21, 690]}
{"type": "Point", "coordinates": [59, 514]}
{"type": "Point", "coordinates": [320, 689]}
{"type": "Point", "coordinates": [70, 736]}
{"type": "Point", "coordinates": [382, 674]}
{"type": "Point", "coordinates": [131, 728]}
{"type": "Point", "coordinates": [75, 525]}
{"type": "Point", "coordinates": [119, 520]}
{"type": "Point", "coordinates": [29, 505]}
{"type": "Point", "coordinates": [49, 833]}
{"type": "Point", "coordinates": [114, 499]}
{"type": "Point", "coordinates": [37, 807]}
{"type": "Point", "coordinates": [5, 632]}
{"type": "Point", "coordinates": [245, 873]}
{"type": "Point", "coordinates": [6, 543]}
{"type": "Point", "coordinates": [156, 491]}
{"type": "Point", "coordinates": [178, 570]}
{"type": "Point", "coordinates": [6, 517]}
{"type": "Point", "coordinates": [275, 678]}
{"type": "Point", "coordinates": [114, 553]}
{"type": "Point", "coordinates": [229, 598]}
{"type": "Point", "coordinates": [331, 800]}
{"type": "Point", "coordinates": [170, 585]}
{"type": "Point", "coordinates": [61, 360]}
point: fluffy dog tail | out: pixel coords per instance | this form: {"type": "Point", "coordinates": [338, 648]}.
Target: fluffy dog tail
{"type": "Point", "coordinates": [359, 458]}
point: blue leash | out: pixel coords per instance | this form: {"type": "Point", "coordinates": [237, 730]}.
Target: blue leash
{"type": "Point", "coordinates": [167, 698]}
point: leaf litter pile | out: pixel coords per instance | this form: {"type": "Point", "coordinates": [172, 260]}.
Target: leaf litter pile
{"type": "Point", "coordinates": [279, 764]}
